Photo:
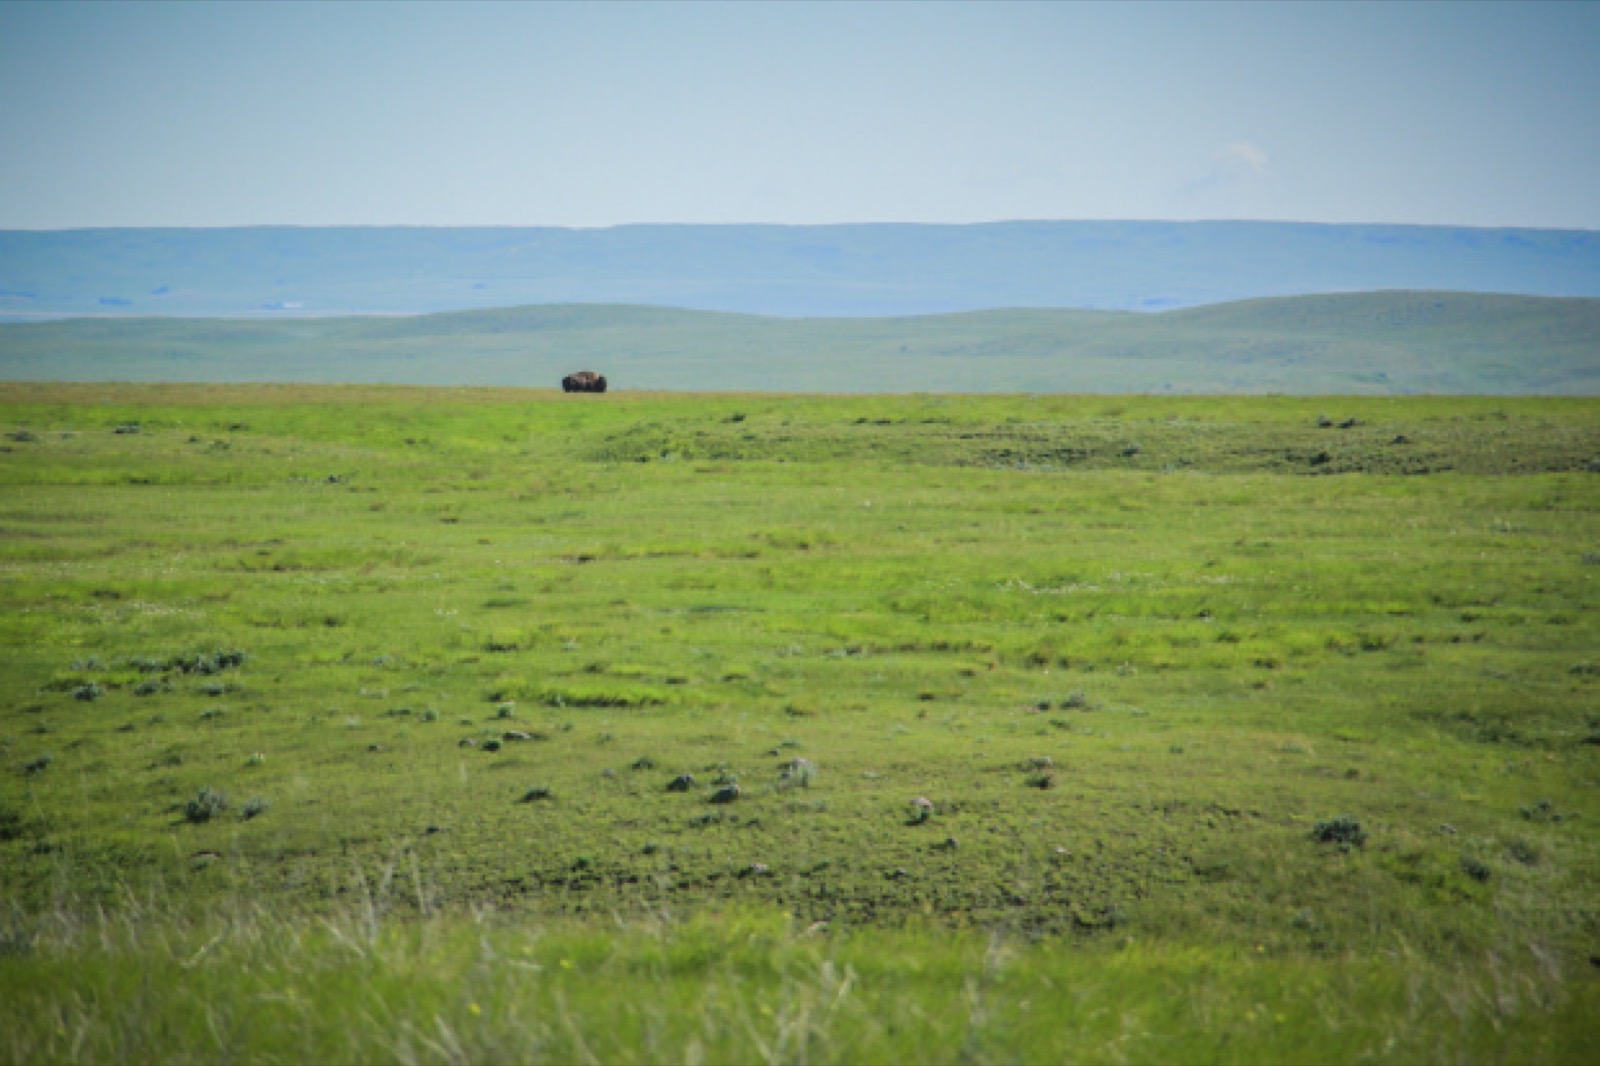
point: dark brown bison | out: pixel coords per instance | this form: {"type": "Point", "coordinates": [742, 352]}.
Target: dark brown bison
{"type": "Point", "coordinates": [583, 381]}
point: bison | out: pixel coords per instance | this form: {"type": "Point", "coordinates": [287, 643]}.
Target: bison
{"type": "Point", "coordinates": [583, 381]}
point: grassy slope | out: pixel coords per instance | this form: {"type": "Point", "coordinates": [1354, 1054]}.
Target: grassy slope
{"type": "Point", "coordinates": [1360, 343]}
{"type": "Point", "coordinates": [1215, 647]}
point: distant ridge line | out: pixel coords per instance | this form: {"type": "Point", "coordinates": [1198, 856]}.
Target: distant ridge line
{"type": "Point", "coordinates": [848, 270]}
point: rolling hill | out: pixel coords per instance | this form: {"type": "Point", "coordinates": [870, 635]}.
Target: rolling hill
{"type": "Point", "coordinates": [1375, 343]}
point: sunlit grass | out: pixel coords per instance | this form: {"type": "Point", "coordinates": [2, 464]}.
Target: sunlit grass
{"type": "Point", "coordinates": [744, 986]}
{"type": "Point", "coordinates": [451, 601]}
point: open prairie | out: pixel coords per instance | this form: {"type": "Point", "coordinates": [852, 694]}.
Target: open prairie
{"type": "Point", "coordinates": [377, 723]}
{"type": "Point", "coordinates": [1365, 343]}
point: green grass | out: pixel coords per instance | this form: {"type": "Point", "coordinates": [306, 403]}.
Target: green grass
{"type": "Point", "coordinates": [743, 986]}
{"type": "Point", "coordinates": [1243, 629]}
{"type": "Point", "coordinates": [1355, 343]}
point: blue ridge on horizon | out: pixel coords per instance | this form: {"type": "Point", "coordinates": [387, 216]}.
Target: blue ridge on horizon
{"type": "Point", "coordinates": [848, 270]}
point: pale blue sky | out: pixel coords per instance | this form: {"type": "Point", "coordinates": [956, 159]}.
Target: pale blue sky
{"type": "Point", "coordinates": [190, 114]}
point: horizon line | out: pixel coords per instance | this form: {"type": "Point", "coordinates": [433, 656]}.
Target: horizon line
{"type": "Point", "coordinates": [798, 225]}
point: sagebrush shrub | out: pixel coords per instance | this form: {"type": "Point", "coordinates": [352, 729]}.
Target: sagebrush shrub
{"type": "Point", "coordinates": [205, 806]}
{"type": "Point", "coordinates": [207, 663]}
{"type": "Point", "coordinates": [1344, 831]}
{"type": "Point", "coordinates": [801, 772]}
{"type": "Point", "coordinates": [1543, 811]}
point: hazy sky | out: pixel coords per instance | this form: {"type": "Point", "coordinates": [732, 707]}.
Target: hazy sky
{"type": "Point", "coordinates": [194, 114]}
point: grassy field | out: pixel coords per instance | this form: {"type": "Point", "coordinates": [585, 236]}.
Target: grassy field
{"type": "Point", "coordinates": [1374, 343]}
{"type": "Point", "coordinates": [345, 724]}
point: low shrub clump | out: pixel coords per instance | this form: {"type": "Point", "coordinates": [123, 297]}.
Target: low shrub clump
{"type": "Point", "coordinates": [1343, 831]}
{"type": "Point", "coordinates": [798, 773]}
{"type": "Point", "coordinates": [207, 663]}
{"type": "Point", "coordinates": [207, 805]}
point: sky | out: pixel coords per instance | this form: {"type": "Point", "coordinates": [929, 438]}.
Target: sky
{"type": "Point", "coordinates": [600, 114]}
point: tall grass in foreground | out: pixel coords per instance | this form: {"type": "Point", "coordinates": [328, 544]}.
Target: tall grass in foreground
{"type": "Point", "coordinates": [254, 985]}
